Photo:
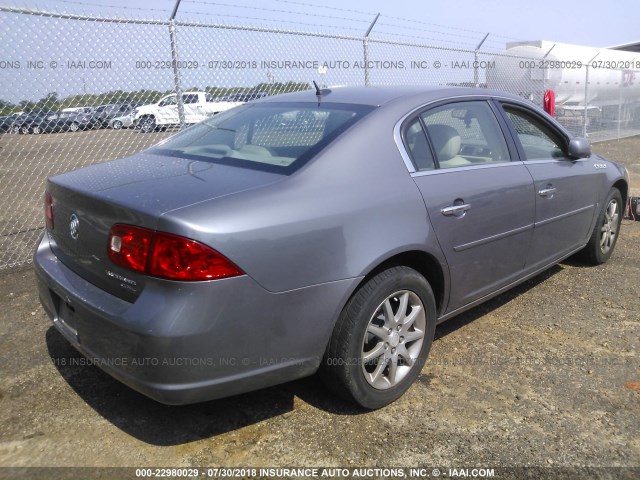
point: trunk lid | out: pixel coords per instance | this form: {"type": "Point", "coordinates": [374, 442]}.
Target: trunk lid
{"type": "Point", "coordinates": [137, 191]}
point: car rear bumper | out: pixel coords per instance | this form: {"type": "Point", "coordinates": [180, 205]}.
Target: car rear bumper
{"type": "Point", "coordinates": [181, 343]}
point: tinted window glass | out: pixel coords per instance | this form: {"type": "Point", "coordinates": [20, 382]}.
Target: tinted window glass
{"type": "Point", "coordinates": [277, 137]}
{"type": "Point", "coordinates": [465, 133]}
{"type": "Point", "coordinates": [537, 140]}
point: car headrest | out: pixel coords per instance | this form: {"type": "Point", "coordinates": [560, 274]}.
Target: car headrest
{"type": "Point", "coordinates": [446, 141]}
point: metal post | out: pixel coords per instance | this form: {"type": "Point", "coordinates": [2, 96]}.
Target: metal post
{"type": "Point", "coordinates": [544, 69]}
{"type": "Point", "coordinates": [619, 109]}
{"type": "Point", "coordinates": [174, 62]}
{"type": "Point", "coordinates": [365, 46]}
{"type": "Point", "coordinates": [476, 73]}
{"type": "Point", "coordinates": [586, 97]}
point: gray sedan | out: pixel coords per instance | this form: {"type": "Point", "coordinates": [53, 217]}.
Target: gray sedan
{"type": "Point", "coordinates": [326, 230]}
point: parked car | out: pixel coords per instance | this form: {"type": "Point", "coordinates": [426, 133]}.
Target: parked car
{"type": "Point", "coordinates": [103, 114]}
{"type": "Point", "coordinates": [23, 124]}
{"type": "Point", "coordinates": [163, 114]}
{"type": "Point", "coordinates": [55, 122]}
{"type": "Point", "coordinates": [124, 121]}
{"type": "Point", "coordinates": [77, 109]}
{"type": "Point", "coordinates": [244, 97]}
{"type": "Point", "coordinates": [246, 251]}
{"type": "Point", "coordinates": [7, 121]}
{"type": "Point", "coordinates": [87, 120]}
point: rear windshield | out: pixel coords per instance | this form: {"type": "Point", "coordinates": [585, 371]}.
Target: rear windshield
{"type": "Point", "coordinates": [276, 137]}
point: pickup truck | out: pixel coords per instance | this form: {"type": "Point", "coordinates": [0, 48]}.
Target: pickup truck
{"type": "Point", "coordinates": [197, 107]}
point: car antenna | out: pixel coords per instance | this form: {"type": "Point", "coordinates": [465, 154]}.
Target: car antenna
{"type": "Point", "coordinates": [320, 92]}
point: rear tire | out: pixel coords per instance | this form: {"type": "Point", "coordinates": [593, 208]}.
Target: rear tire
{"type": "Point", "coordinates": [117, 125]}
{"type": "Point", "coordinates": [36, 130]}
{"type": "Point", "coordinates": [605, 233]}
{"type": "Point", "coordinates": [74, 127]}
{"type": "Point", "coordinates": [382, 338]}
{"type": "Point", "coordinates": [147, 124]}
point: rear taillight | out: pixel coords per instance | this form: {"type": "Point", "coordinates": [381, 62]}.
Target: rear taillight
{"type": "Point", "coordinates": [129, 246]}
{"type": "Point", "coordinates": [166, 255]}
{"type": "Point", "coordinates": [48, 210]}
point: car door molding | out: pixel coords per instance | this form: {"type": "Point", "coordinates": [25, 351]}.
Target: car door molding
{"type": "Point", "coordinates": [493, 238]}
{"type": "Point", "coordinates": [547, 221]}
{"type": "Point", "coordinates": [480, 166]}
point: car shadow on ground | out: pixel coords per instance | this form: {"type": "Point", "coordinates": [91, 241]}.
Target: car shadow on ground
{"type": "Point", "coordinates": [469, 316]}
{"type": "Point", "coordinates": [162, 425]}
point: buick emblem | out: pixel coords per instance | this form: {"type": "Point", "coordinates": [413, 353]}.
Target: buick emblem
{"type": "Point", "coordinates": [74, 226]}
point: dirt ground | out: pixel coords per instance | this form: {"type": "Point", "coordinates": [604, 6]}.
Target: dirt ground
{"type": "Point", "coordinates": [546, 375]}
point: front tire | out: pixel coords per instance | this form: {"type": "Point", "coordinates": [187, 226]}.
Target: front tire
{"type": "Point", "coordinates": [382, 338]}
{"type": "Point", "coordinates": [74, 127]}
{"type": "Point", "coordinates": [117, 125]}
{"type": "Point", "coordinates": [605, 233]}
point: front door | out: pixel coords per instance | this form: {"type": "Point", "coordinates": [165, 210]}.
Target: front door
{"type": "Point", "coordinates": [565, 189]}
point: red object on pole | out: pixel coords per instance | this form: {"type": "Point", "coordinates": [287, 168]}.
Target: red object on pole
{"type": "Point", "coordinates": [550, 102]}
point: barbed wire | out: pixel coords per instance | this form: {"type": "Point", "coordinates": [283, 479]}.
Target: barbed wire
{"type": "Point", "coordinates": [261, 19]}
{"type": "Point", "coordinates": [428, 34]}
{"type": "Point", "coordinates": [439, 41]}
{"type": "Point", "coordinates": [102, 5]}
{"type": "Point", "coordinates": [444, 26]}
{"type": "Point", "coordinates": [326, 6]}
{"type": "Point", "coordinates": [333, 17]}
{"type": "Point", "coordinates": [458, 35]}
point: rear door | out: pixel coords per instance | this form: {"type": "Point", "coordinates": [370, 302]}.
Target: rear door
{"type": "Point", "coordinates": [565, 189]}
{"type": "Point", "coordinates": [480, 202]}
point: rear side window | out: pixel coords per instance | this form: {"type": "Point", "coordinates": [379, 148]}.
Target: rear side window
{"type": "Point", "coordinates": [465, 133]}
{"type": "Point", "coordinates": [538, 141]}
{"type": "Point", "coordinates": [416, 141]}
{"type": "Point", "coordinates": [277, 137]}
{"type": "Point", "coordinates": [190, 98]}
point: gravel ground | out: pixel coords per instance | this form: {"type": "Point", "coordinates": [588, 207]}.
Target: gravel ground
{"type": "Point", "coordinates": [546, 375]}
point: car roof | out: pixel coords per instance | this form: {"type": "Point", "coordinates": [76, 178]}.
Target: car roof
{"type": "Point", "coordinates": [379, 95]}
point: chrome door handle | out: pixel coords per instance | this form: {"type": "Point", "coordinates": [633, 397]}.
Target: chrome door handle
{"type": "Point", "coordinates": [547, 192]}
{"type": "Point", "coordinates": [455, 209]}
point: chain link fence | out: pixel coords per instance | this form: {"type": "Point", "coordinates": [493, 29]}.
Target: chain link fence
{"type": "Point", "coordinates": [79, 89]}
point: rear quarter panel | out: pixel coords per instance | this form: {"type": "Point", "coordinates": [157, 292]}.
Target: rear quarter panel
{"type": "Point", "coordinates": [349, 209]}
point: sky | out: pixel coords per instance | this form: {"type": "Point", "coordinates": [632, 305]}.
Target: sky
{"type": "Point", "coordinates": [460, 24]}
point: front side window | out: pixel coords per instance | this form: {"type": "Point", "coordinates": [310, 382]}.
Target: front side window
{"type": "Point", "coordinates": [537, 140]}
{"type": "Point", "coordinates": [465, 133]}
{"type": "Point", "coordinates": [277, 137]}
{"type": "Point", "coordinates": [169, 101]}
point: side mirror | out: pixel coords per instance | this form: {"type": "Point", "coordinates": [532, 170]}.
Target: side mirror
{"type": "Point", "coordinates": [579, 147]}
